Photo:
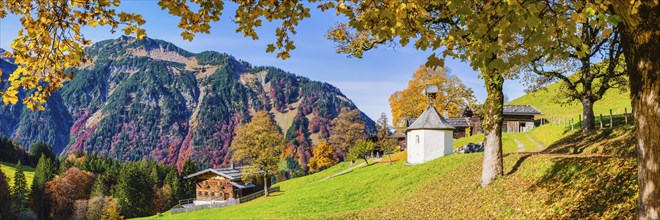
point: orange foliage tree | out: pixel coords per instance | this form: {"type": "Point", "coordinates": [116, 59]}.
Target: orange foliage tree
{"type": "Point", "coordinates": [410, 102]}
{"type": "Point", "coordinates": [64, 190]}
{"type": "Point", "coordinates": [323, 157]}
{"type": "Point", "coordinates": [347, 128]}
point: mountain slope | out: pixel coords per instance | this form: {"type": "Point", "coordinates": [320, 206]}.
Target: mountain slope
{"type": "Point", "coordinates": [151, 99]}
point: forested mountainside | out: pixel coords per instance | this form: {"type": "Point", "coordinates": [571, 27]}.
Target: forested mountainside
{"type": "Point", "coordinates": [151, 99]}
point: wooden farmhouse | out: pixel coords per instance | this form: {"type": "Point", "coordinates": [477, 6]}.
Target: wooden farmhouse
{"type": "Point", "coordinates": [221, 184]}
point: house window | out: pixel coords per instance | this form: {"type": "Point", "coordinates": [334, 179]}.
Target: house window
{"type": "Point", "coordinates": [199, 193]}
{"type": "Point", "coordinates": [417, 137]}
{"type": "Point", "coordinates": [212, 194]}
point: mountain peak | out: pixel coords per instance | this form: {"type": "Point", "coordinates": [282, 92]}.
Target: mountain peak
{"type": "Point", "coordinates": [127, 46]}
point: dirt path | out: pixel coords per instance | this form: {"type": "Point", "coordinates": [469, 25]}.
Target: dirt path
{"type": "Point", "coordinates": [342, 172]}
{"type": "Point", "coordinates": [539, 146]}
{"type": "Point", "coordinates": [521, 147]}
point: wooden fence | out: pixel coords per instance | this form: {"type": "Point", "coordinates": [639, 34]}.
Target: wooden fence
{"type": "Point", "coordinates": [190, 208]}
{"type": "Point", "coordinates": [601, 121]}
{"type": "Point", "coordinates": [185, 205]}
{"type": "Point", "coordinates": [258, 194]}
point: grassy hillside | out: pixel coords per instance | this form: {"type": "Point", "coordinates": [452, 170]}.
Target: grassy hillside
{"type": "Point", "coordinates": [543, 100]}
{"type": "Point", "coordinates": [9, 169]}
{"type": "Point", "coordinates": [580, 176]}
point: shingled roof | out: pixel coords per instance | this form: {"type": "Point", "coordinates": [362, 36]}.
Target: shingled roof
{"type": "Point", "coordinates": [458, 122]}
{"type": "Point", "coordinates": [233, 174]}
{"type": "Point", "coordinates": [520, 110]}
{"type": "Point", "coordinates": [430, 120]}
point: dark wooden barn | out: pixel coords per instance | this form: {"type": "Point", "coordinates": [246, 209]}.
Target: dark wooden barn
{"type": "Point", "coordinates": [519, 118]}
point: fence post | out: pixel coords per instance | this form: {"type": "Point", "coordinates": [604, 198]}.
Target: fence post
{"type": "Point", "coordinates": [580, 119]}
{"type": "Point", "coordinates": [625, 114]}
{"type": "Point", "coordinates": [611, 122]}
{"type": "Point", "coordinates": [601, 121]}
{"type": "Point", "coordinates": [571, 124]}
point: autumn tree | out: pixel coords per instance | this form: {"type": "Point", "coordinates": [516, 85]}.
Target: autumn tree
{"type": "Point", "coordinates": [259, 145]}
{"type": "Point", "coordinates": [111, 210]}
{"type": "Point", "coordinates": [19, 191]}
{"type": "Point", "coordinates": [347, 129]}
{"type": "Point", "coordinates": [97, 207]}
{"type": "Point", "coordinates": [639, 36]}
{"type": "Point", "coordinates": [598, 41]}
{"type": "Point", "coordinates": [64, 190]}
{"type": "Point", "coordinates": [452, 96]}
{"type": "Point", "coordinates": [361, 150]}
{"type": "Point", "coordinates": [323, 157]}
{"type": "Point", "coordinates": [42, 174]}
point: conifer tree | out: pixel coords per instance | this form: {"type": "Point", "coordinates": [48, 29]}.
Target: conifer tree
{"type": "Point", "coordinates": [134, 193]}
{"type": "Point", "coordinates": [100, 188]}
{"type": "Point", "coordinates": [172, 180]}
{"type": "Point", "coordinates": [42, 174]}
{"type": "Point", "coordinates": [19, 191]}
{"type": "Point", "coordinates": [188, 185]}
{"type": "Point", "coordinates": [5, 198]}
{"type": "Point", "coordinates": [41, 148]}
{"type": "Point", "coordinates": [154, 175]}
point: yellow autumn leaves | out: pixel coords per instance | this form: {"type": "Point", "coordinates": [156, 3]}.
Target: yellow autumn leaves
{"type": "Point", "coordinates": [410, 102]}
{"type": "Point", "coordinates": [50, 43]}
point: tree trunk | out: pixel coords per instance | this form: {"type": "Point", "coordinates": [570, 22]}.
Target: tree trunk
{"type": "Point", "coordinates": [641, 44]}
{"type": "Point", "coordinates": [589, 119]}
{"type": "Point", "coordinates": [265, 185]}
{"type": "Point", "coordinates": [492, 126]}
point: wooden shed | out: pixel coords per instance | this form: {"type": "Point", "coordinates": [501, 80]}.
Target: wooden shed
{"type": "Point", "coordinates": [519, 118]}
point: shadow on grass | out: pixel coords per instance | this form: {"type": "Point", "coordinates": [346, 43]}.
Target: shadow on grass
{"type": "Point", "coordinates": [275, 194]}
{"type": "Point", "coordinates": [590, 187]}
{"type": "Point", "coordinates": [590, 175]}
{"type": "Point", "coordinates": [518, 163]}
{"type": "Point", "coordinates": [619, 141]}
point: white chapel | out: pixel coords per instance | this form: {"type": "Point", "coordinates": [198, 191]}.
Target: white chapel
{"type": "Point", "coordinates": [430, 136]}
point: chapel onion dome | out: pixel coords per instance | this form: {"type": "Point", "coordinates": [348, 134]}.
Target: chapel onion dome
{"type": "Point", "coordinates": [430, 120]}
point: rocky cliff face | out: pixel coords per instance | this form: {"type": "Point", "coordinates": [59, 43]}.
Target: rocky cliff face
{"type": "Point", "coordinates": [151, 99]}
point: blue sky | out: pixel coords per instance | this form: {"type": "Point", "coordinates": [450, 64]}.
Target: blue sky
{"type": "Point", "coordinates": [368, 81]}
